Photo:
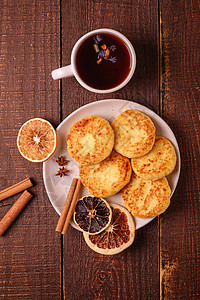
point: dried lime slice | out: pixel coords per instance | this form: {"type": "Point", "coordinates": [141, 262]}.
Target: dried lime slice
{"type": "Point", "coordinates": [92, 214]}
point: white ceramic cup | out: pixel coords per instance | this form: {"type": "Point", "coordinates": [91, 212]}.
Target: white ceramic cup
{"type": "Point", "coordinates": [71, 70]}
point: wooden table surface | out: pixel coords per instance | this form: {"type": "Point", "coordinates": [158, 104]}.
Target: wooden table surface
{"type": "Point", "coordinates": [37, 37]}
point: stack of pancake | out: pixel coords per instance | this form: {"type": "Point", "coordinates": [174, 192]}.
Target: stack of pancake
{"type": "Point", "coordinates": [124, 155]}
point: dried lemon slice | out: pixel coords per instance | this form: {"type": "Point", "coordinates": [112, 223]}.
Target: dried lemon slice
{"type": "Point", "coordinates": [92, 214]}
{"type": "Point", "coordinates": [37, 140]}
{"type": "Point", "coordinates": [118, 236]}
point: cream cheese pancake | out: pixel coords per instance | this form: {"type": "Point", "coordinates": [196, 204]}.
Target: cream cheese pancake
{"type": "Point", "coordinates": [158, 163]}
{"type": "Point", "coordinates": [146, 198]}
{"type": "Point", "coordinates": [134, 133]}
{"type": "Point", "coordinates": [90, 140]}
{"type": "Point", "coordinates": [107, 177]}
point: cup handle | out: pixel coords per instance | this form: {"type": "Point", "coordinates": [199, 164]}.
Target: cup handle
{"type": "Point", "coordinates": [62, 72]}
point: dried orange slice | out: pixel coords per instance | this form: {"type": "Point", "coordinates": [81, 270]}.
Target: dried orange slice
{"type": "Point", "coordinates": [37, 140]}
{"type": "Point", "coordinates": [92, 214]}
{"type": "Point", "coordinates": [117, 237]}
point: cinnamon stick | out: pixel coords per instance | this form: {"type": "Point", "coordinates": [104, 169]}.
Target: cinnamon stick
{"type": "Point", "coordinates": [14, 211]}
{"type": "Point", "coordinates": [16, 188]}
{"type": "Point", "coordinates": [72, 206]}
{"type": "Point", "coordinates": [65, 209]}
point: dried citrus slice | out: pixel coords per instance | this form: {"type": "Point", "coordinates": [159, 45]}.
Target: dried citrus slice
{"type": "Point", "coordinates": [118, 236]}
{"type": "Point", "coordinates": [37, 140]}
{"type": "Point", "coordinates": [92, 214]}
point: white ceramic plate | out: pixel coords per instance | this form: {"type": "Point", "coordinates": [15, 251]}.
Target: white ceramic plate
{"type": "Point", "coordinates": [57, 187]}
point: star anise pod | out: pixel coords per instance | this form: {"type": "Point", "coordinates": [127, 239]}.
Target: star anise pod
{"type": "Point", "coordinates": [62, 172]}
{"type": "Point", "coordinates": [61, 161]}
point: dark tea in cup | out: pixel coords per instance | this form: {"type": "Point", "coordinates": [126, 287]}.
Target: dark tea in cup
{"type": "Point", "coordinates": [103, 61]}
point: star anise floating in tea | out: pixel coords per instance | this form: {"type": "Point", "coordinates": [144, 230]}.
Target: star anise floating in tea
{"type": "Point", "coordinates": [62, 172]}
{"type": "Point", "coordinates": [62, 162]}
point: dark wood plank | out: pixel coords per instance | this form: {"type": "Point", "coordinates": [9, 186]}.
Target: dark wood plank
{"type": "Point", "coordinates": [132, 274]}
{"type": "Point", "coordinates": [180, 240]}
{"type": "Point", "coordinates": [29, 49]}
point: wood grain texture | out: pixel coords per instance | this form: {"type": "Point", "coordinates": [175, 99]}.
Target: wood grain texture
{"type": "Point", "coordinates": [180, 86]}
{"type": "Point", "coordinates": [164, 260]}
{"type": "Point", "coordinates": [133, 274]}
{"type": "Point", "coordinates": [29, 50]}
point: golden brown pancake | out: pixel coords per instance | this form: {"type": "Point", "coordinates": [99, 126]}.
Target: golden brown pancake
{"type": "Point", "coordinates": [146, 198]}
{"type": "Point", "coordinates": [107, 177]}
{"type": "Point", "coordinates": [134, 133]}
{"type": "Point", "coordinates": [90, 140]}
{"type": "Point", "coordinates": [158, 163]}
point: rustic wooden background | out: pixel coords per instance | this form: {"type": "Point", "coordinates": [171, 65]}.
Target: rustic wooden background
{"type": "Point", "coordinates": [35, 38]}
